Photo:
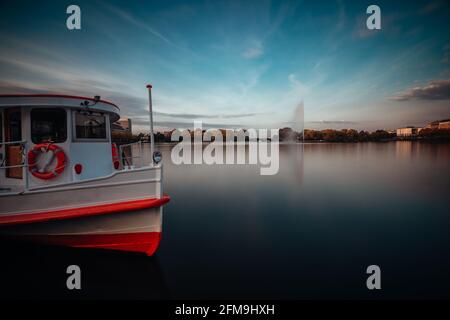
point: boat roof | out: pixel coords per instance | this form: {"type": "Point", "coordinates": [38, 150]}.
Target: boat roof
{"type": "Point", "coordinates": [59, 100]}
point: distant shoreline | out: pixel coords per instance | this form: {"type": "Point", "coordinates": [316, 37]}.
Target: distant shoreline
{"type": "Point", "coordinates": [433, 140]}
{"type": "Point", "coordinates": [308, 135]}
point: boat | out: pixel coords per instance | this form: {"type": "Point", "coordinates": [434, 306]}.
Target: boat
{"type": "Point", "coordinates": [64, 182]}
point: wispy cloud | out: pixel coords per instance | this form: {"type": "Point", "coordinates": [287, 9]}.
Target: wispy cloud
{"type": "Point", "coordinates": [333, 122]}
{"type": "Point", "coordinates": [57, 75]}
{"type": "Point", "coordinates": [251, 78]}
{"type": "Point", "coordinates": [361, 31]}
{"type": "Point", "coordinates": [391, 24]}
{"type": "Point", "coordinates": [297, 86]}
{"type": "Point", "coordinates": [434, 90]}
{"type": "Point", "coordinates": [206, 116]}
{"type": "Point", "coordinates": [31, 70]}
{"type": "Point", "coordinates": [254, 50]}
{"type": "Point", "coordinates": [238, 62]}
{"type": "Point", "coordinates": [143, 122]}
{"type": "Point", "coordinates": [142, 25]}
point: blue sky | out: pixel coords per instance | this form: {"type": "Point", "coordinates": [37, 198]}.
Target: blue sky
{"type": "Point", "coordinates": [237, 63]}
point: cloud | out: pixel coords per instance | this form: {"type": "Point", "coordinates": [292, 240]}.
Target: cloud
{"type": "Point", "coordinates": [33, 73]}
{"type": "Point", "coordinates": [391, 25]}
{"type": "Point", "coordinates": [55, 76]}
{"type": "Point", "coordinates": [190, 125]}
{"type": "Point", "coordinates": [298, 86]}
{"type": "Point", "coordinates": [204, 116]}
{"type": "Point", "coordinates": [361, 31]}
{"type": "Point", "coordinates": [254, 50]}
{"type": "Point", "coordinates": [331, 122]}
{"type": "Point", "coordinates": [248, 80]}
{"type": "Point", "coordinates": [434, 90]}
{"type": "Point", "coordinates": [140, 24]}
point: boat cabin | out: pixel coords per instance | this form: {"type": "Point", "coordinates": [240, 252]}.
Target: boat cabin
{"type": "Point", "coordinates": [63, 182]}
{"type": "Point", "coordinates": [54, 139]}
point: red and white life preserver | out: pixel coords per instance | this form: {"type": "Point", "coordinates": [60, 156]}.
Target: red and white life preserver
{"type": "Point", "coordinates": [43, 148]}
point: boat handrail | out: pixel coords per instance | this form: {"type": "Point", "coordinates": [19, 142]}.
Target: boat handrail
{"type": "Point", "coordinates": [124, 158]}
{"type": "Point", "coordinates": [24, 164]}
{"type": "Point", "coordinates": [130, 144]}
{"type": "Point", "coordinates": [13, 142]}
{"type": "Point", "coordinates": [3, 161]}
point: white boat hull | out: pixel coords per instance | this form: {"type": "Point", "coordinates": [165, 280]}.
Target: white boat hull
{"type": "Point", "coordinates": [119, 212]}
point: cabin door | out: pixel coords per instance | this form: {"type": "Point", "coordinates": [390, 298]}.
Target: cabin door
{"type": "Point", "coordinates": [13, 132]}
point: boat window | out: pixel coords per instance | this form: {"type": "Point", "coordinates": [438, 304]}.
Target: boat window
{"type": "Point", "coordinates": [89, 125]}
{"type": "Point", "coordinates": [48, 124]}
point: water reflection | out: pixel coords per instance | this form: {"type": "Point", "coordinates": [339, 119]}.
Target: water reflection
{"type": "Point", "coordinates": [311, 230]}
{"type": "Point", "coordinates": [308, 232]}
{"type": "Point", "coordinates": [38, 271]}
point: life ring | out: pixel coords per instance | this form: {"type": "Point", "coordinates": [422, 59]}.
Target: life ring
{"type": "Point", "coordinates": [43, 148]}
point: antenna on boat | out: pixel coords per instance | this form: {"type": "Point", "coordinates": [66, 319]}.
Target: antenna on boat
{"type": "Point", "coordinates": [152, 139]}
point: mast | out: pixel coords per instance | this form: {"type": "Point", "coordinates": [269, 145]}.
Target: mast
{"type": "Point", "coordinates": [152, 139]}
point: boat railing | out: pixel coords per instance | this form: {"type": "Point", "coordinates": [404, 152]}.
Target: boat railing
{"type": "Point", "coordinates": [23, 163]}
{"type": "Point", "coordinates": [129, 152]}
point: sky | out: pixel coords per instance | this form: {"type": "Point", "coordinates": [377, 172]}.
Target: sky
{"type": "Point", "coordinates": [237, 63]}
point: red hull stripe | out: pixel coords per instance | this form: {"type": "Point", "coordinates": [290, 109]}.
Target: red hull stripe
{"type": "Point", "coordinates": [83, 211]}
{"type": "Point", "coordinates": [144, 242]}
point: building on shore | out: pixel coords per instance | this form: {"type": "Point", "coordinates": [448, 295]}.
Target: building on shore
{"type": "Point", "coordinates": [444, 124]}
{"type": "Point", "coordinates": [121, 129]}
{"type": "Point", "coordinates": [432, 125]}
{"type": "Point", "coordinates": [407, 132]}
{"type": "Point", "coordinates": [123, 124]}
{"type": "Point", "coordinates": [168, 135]}
{"type": "Point", "coordinates": [440, 124]}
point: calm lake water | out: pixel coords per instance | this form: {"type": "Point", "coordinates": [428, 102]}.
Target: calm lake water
{"type": "Point", "coordinates": [308, 232]}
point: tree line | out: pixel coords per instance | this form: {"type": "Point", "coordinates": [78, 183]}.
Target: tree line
{"type": "Point", "coordinates": [347, 135]}
{"type": "Point", "coordinates": [327, 135]}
